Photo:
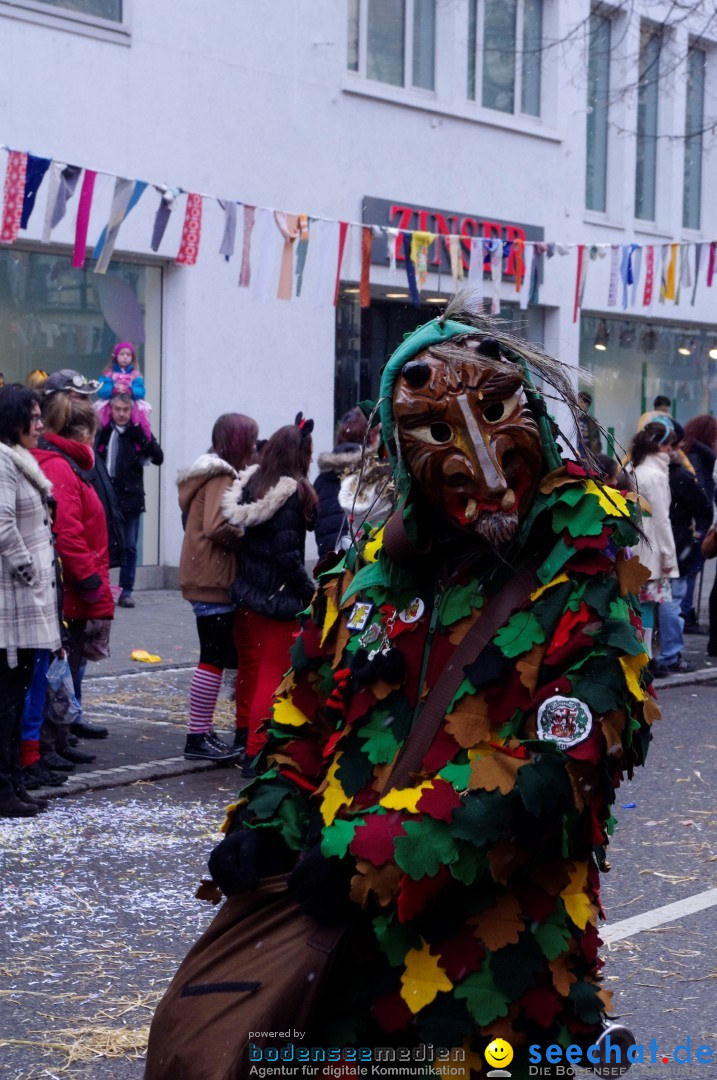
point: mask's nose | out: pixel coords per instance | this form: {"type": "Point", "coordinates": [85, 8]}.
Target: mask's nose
{"type": "Point", "coordinates": [480, 461]}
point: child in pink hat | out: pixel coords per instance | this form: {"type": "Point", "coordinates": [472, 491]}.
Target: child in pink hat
{"type": "Point", "coordinates": [122, 376]}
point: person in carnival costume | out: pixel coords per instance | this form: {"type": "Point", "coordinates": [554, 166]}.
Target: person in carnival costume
{"type": "Point", "coordinates": [122, 376]}
{"type": "Point", "coordinates": [473, 886]}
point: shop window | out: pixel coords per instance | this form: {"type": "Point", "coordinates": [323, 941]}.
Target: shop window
{"type": "Point", "coordinates": [505, 40]}
{"type": "Point", "coordinates": [97, 9]}
{"type": "Point", "coordinates": [598, 113]}
{"type": "Point", "coordinates": [647, 116]}
{"type": "Point", "coordinates": [694, 122]}
{"type": "Point", "coordinates": [393, 41]}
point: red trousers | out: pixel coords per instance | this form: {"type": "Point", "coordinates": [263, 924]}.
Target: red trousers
{"type": "Point", "coordinates": [262, 661]}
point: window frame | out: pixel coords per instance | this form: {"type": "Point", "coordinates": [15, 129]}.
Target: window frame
{"type": "Point", "coordinates": [58, 18]}
{"type": "Point", "coordinates": [477, 47]}
{"type": "Point", "coordinates": [603, 138]}
{"type": "Point", "coordinates": [649, 31]}
{"type": "Point", "coordinates": [407, 86]}
{"type": "Point", "coordinates": [694, 47]}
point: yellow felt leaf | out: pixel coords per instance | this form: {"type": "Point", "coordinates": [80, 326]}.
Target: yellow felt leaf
{"type": "Point", "coordinates": [332, 614]}
{"type": "Point", "coordinates": [405, 798]}
{"type": "Point", "coordinates": [370, 552]}
{"type": "Point", "coordinates": [632, 666]}
{"type": "Point", "coordinates": [543, 588]}
{"type": "Point", "coordinates": [423, 978]}
{"type": "Point", "coordinates": [611, 501]}
{"type": "Point", "coordinates": [285, 712]}
{"type": "Point", "coordinates": [334, 796]}
{"type": "Point", "coordinates": [575, 897]}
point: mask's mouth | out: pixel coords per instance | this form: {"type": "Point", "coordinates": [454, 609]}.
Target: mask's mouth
{"type": "Point", "coordinates": [468, 508]}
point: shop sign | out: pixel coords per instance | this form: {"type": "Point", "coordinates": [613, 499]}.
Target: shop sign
{"type": "Point", "coordinates": [444, 223]}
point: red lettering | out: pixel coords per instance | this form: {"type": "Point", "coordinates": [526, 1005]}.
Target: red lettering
{"type": "Point", "coordinates": [406, 214]}
{"type": "Point", "coordinates": [512, 233]}
{"type": "Point", "coordinates": [469, 229]}
{"type": "Point", "coordinates": [444, 229]}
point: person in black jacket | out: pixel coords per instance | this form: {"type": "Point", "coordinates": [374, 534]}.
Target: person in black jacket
{"type": "Point", "coordinates": [125, 449]}
{"type": "Point", "coordinates": [690, 517]}
{"type": "Point", "coordinates": [700, 445]}
{"type": "Point", "coordinates": [274, 504]}
{"type": "Point", "coordinates": [331, 520]}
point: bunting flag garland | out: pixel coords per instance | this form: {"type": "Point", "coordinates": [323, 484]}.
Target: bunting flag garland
{"type": "Point", "coordinates": [580, 279]}
{"type": "Point", "coordinates": [63, 191]}
{"type": "Point", "coordinates": [698, 256]}
{"type": "Point", "coordinates": [245, 270]}
{"type": "Point", "coordinates": [343, 229]}
{"type": "Point", "coordinates": [392, 240]}
{"type": "Point", "coordinates": [669, 264]}
{"type": "Point", "coordinates": [53, 186]}
{"type": "Point", "coordinates": [711, 264]}
{"type": "Point", "coordinates": [614, 271]}
{"type": "Point", "coordinates": [319, 285]}
{"type": "Point", "coordinates": [475, 266]}
{"type": "Point", "coordinates": [167, 200]}
{"type": "Point", "coordinates": [127, 194]}
{"type": "Point", "coordinates": [226, 248]}
{"type": "Point", "coordinates": [420, 243]}
{"type": "Point", "coordinates": [191, 231]}
{"type": "Point", "coordinates": [287, 226]}
{"type": "Point", "coordinates": [301, 251]}
{"type": "Point", "coordinates": [36, 169]}
{"type": "Point", "coordinates": [266, 256]}
{"type": "Point", "coordinates": [636, 269]}
{"type": "Point", "coordinates": [365, 284]}
{"type": "Point", "coordinates": [496, 274]}
{"type": "Point", "coordinates": [649, 275]}
{"type": "Point", "coordinates": [410, 271]}
{"type": "Point", "coordinates": [13, 196]}
{"type": "Point", "coordinates": [456, 256]}
{"type": "Point", "coordinates": [519, 254]}
{"type": "Point", "coordinates": [83, 218]}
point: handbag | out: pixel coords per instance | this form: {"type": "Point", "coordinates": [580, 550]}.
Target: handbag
{"type": "Point", "coordinates": [709, 544]}
{"type": "Point", "coordinates": [258, 973]}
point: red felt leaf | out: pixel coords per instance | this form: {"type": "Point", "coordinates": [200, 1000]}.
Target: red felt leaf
{"type": "Point", "coordinates": [504, 699]}
{"type": "Point", "coordinates": [331, 742]}
{"type": "Point", "coordinates": [542, 1005]}
{"type": "Point", "coordinates": [439, 801]}
{"type": "Point", "coordinates": [590, 562]}
{"type": "Point", "coordinates": [391, 1012]}
{"type": "Point", "coordinates": [581, 542]}
{"type": "Point", "coordinates": [360, 703]}
{"type": "Point", "coordinates": [590, 749]}
{"type": "Point", "coordinates": [299, 780]}
{"type": "Point", "coordinates": [311, 638]}
{"type": "Point", "coordinates": [536, 904]}
{"type": "Point", "coordinates": [558, 686]}
{"type": "Point", "coordinates": [590, 942]}
{"type": "Point", "coordinates": [304, 754]}
{"type": "Point", "coordinates": [569, 621]}
{"type": "Point", "coordinates": [573, 469]}
{"type": "Point", "coordinates": [304, 696]}
{"type": "Point", "coordinates": [562, 657]}
{"type": "Point", "coordinates": [415, 895]}
{"type": "Point", "coordinates": [442, 750]}
{"type": "Point", "coordinates": [373, 840]}
{"type": "Point", "coordinates": [460, 956]}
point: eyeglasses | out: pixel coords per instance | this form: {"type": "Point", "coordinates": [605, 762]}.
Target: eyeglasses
{"type": "Point", "coordinates": [36, 421]}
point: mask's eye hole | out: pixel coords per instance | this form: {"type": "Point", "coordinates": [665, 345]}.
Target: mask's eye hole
{"type": "Point", "coordinates": [436, 434]}
{"type": "Point", "coordinates": [495, 411]}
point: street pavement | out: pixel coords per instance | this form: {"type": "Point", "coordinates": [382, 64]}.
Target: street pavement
{"type": "Point", "coordinates": [98, 894]}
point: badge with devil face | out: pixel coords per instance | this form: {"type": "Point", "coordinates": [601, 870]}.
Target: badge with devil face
{"type": "Point", "coordinates": [564, 721]}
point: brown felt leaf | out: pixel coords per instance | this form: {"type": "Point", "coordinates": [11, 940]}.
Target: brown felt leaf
{"type": "Point", "coordinates": [651, 710]}
{"type": "Point", "coordinates": [528, 667]}
{"type": "Point", "coordinates": [504, 1028]}
{"type": "Point", "coordinates": [459, 630]}
{"type": "Point", "coordinates": [381, 774]}
{"type": "Point", "coordinates": [381, 881]}
{"type": "Point", "coordinates": [499, 925]}
{"type": "Point", "coordinates": [382, 689]}
{"type": "Point", "coordinates": [631, 574]}
{"type": "Point", "coordinates": [555, 479]}
{"type": "Point", "coordinates": [583, 777]}
{"type": "Point", "coordinates": [563, 977]}
{"type": "Point", "coordinates": [613, 725]}
{"type": "Point", "coordinates": [469, 722]}
{"type": "Point", "coordinates": [342, 640]}
{"type": "Point", "coordinates": [606, 998]}
{"type": "Point", "coordinates": [496, 771]}
{"type": "Point", "coordinates": [287, 683]}
{"type": "Point", "coordinates": [553, 877]}
{"type": "Point", "coordinates": [504, 858]}
{"type": "Point", "coordinates": [207, 890]}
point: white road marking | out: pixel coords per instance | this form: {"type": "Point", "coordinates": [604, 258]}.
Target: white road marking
{"type": "Point", "coordinates": [658, 916]}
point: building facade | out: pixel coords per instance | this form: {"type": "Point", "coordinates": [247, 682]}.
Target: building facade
{"type": "Point", "coordinates": [547, 122]}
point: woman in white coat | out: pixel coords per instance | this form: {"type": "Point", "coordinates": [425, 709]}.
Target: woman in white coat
{"type": "Point", "coordinates": [650, 459]}
{"type": "Point", "coordinates": [28, 605]}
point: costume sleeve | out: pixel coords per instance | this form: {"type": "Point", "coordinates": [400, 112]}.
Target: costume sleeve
{"type": "Point", "coordinates": [214, 525]}
{"type": "Point", "coordinates": [138, 388]}
{"type": "Point", "coordinates": [106, 387]}
{"type": "Point", "coordinates": [12, 545]}
{"type": "Point", "coordinates": [79, 563]}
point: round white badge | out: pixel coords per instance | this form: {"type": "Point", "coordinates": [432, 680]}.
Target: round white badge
{"type": "Point", "coordinates": [413, 612]}
{"type": "Point", "coordinates": [566, 721]}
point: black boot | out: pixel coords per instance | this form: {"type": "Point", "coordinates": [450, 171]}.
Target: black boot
{"type": "Point", "coordinates": [240, 738]}
{"type": "Point", "coordinates": [207, 746]}
{"type": "Point", "coordinates": [77, 757]}
{"type": "Point", "coordinates": [52, 760]}
{"type": "Point", "coordinates": [29, 800]}
{"type": "Point", "coordinates": [86, 730]}
{"type": "Point", "coordinates": [37, 776]}
{"type": "Point", "coordinates": [12, 807]}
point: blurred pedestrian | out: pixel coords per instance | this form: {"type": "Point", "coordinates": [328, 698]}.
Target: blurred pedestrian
{"type": "Point", "coordinates": [331, 521]}
{"type": "Point", "coordinates": [700, 446]}
{"type": "Point", "coordinates": [28, 607]}
{"type": "Point", "coordinates": [125, 448]}
{"type": "Point", "coordinates": [589, 440]}
{"type": "Point", "coordinates": [207, 568]}
{"type": "Point", "coordinates": [656, 550]}
{"type": "Point", "coordinates": [661, 406]}
{"type": "Point", "coordinates": [66, 456]}
{"type": "Point", "coordinates": [273, 505]}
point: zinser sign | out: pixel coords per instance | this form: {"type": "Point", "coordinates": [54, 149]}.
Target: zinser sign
{"type": "Point", "coordinates": [445, 223]}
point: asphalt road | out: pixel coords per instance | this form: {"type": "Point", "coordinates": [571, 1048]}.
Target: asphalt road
{"type": "Point", "coordinates": [98, 905]}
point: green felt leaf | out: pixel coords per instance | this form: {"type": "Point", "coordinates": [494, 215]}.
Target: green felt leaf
{"type": "Point", "coordinates": [514, 726]}
{"type": "Point", "coordinates": [457, 775]}
{"type": "Point", "coordinates": [514, 966]}
{"type": "Point", "coordinates": [554, 934]}
{"type": "Point", "coordinates": [600, 592]}
{"type": "Point", "coordinates": [458, 601]}
{"type": "Point", "coordinates": [484, 1000]}
{"type": "Point", "coordinates": [466, 687]}
{"type": "Point", "coordinates": [543, 785]}
{"type": "Point", "coordinates": [551, 605]}
{"type": "Point", "coordinates": [519, 634]}
{"type": "Point", "coordinates": [588, 1006]}
{"type": "Point", "coordinates": [570, 496]}
{"type": "Point", "coordinates": [337, 837]}
{"type": "Point", "coordinates": [584, 519]}
{"type": "Point", "coordinates": [443, 1023]}
{"type": "Point", "coordinates": [426, 847]}
{"type": "Point", "coordinates": [395, 939]}
{"type": "Point", "coordinates": [483, 818]}
{"type": "Point", "coordinates": [469, 865]}
{"type": "Point", "coordinates": [379, 741]}
{"type": "Point", "coordinates": [599, 683]}
{"type": "Point", "coordinates": [266, 793]}
{"type": "Point", "coordinates": [619, 610]}
{"type": "Point", "coordinates": [621, 635]}
{"type": "Point", "coordinates": [354, 771]}
{"type": "Point", "coordinates": [298, 657]}
{"type": "Point", "coordinates": [555, 561]}
{"type": "Point", "coordinates": [293, 818]}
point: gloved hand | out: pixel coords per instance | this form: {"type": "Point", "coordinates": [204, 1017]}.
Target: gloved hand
{"type": "Point", "coordinates": [321, 887]}
{"type": "Point", "coordinates": [246, 855]}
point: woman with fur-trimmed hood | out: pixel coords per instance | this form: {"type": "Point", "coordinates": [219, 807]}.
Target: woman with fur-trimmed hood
{"type": "Point", "coordinates": [331, 519]}
{"type": "Point", "coordinates": [273, 504]}
{"type": "Point", "coordinates": [207, 568]}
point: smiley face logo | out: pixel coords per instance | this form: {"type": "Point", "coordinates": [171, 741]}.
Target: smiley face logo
{"type": "Point", "coordinates": [499, 1053]}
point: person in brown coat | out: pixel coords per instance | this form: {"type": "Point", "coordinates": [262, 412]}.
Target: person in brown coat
{"type": "Point", "coordinates": [207, 568]}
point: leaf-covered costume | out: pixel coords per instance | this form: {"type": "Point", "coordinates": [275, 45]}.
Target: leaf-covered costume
{"type": "Point", "coordinates": [480, 880]}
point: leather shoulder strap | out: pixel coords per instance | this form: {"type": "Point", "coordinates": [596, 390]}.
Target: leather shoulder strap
{"type": "Point", "coordinates": [493, 616]}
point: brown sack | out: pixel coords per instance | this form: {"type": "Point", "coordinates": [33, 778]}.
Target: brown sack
{"type": "Point", "coordinates": [260, 966]}
{"type": "Point", "coordinates": [709, 544]}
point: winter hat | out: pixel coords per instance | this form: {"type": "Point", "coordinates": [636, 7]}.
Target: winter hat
{"type": "Point", "coordinates": [124, 345]}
